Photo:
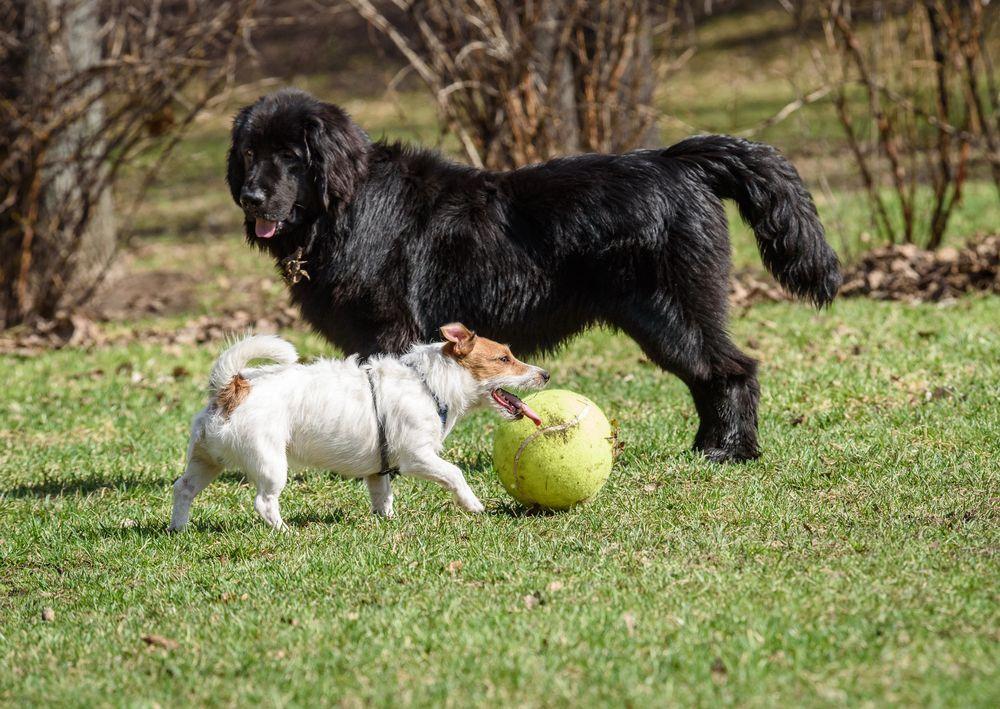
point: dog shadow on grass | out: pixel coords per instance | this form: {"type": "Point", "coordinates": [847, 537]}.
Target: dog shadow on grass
{"type": "Point", "coordinates": [53, 487]}
{"type": "Point", "coordinates": [158, 528]}
{"type": "Point", "coordinates": [297, 520]}
{"type": "Point", "coordinates": [100, 486]}
{"type": "Point", "coordinates": [513, 510]}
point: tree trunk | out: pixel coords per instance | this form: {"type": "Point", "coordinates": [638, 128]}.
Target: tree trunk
{"type": "Point", "coordinates": [63, 231]}
{"type": "Point", "coordinates": [85, 232]}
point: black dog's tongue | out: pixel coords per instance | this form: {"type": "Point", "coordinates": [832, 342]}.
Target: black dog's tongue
{"type": "Point", "coordinates": [519, 407]}
{"type": "Point", "coordinates": [265, 228]}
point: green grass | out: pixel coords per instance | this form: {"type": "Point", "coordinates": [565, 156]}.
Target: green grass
{"type": "Point", "coordinates": [855, 562]}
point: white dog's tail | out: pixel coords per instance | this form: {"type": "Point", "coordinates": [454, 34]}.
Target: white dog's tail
{"type": "Point", "coordinates": [230, 362]}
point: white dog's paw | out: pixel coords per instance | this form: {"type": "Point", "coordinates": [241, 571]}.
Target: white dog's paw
{"type": "Point", "coordinates": [384, 513]}
{"type": "Point", "coordinates": [471, 503]}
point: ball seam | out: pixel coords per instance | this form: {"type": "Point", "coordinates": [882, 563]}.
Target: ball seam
{"type": "Point", "coordinates": [541, 432]}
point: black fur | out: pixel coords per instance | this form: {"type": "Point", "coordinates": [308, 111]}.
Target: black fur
{"type": "Point", "coordinates": [398, 240]}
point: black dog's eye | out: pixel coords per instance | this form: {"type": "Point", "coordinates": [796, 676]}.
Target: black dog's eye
{"type": "Point", "coordinates": [249, 153]}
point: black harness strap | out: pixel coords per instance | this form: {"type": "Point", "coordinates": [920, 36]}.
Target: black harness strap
{"type": "Point", "coordinates": [383, 444]}
{"type": "Point", "coordinates": [442, 408]}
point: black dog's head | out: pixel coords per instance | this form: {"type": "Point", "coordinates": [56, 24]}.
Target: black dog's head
{"type": "Point", "coordinates": [292, 157]}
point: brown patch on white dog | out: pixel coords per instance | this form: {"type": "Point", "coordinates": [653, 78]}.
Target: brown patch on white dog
{"type": "Point", "coordinates": [488, 361]}
{"type": "Point", "coordinates": [232, 395]}
{"type": "Point", "coordinates": [485, 359]}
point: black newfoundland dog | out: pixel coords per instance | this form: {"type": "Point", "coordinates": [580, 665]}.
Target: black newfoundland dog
{"type": "Point", "coordinates": [382, 243]}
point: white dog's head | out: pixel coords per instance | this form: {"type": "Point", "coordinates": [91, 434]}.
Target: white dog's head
{"type": "Point", "coordinates": [494, 367]}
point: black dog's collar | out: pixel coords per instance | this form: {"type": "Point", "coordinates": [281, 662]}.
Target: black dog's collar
{"type": "Point", "coordinates": [383, 444]}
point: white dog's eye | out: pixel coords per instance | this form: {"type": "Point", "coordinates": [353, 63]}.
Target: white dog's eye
{"type": "Point", "coordinates": [505, 359]}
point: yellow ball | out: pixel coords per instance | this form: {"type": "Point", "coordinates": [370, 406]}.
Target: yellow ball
{"type": "Point", "coordinates": [560, 463]}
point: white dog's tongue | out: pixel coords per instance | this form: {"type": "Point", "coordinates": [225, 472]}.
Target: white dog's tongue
{"type": "Point", "coordinates": [526, 410]}
{"type": "Point", "coordinates": [265, 229]}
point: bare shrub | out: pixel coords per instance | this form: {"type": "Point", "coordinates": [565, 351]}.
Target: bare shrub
{"type": "Point", "coordinates": [85, 85]}
{"type": "Point", "coordinates": [520, 82]}
{"type": "Point", "coordinates": [916, 96]}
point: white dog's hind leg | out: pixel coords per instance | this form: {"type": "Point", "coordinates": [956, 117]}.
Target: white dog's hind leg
{"type": "Point", "coordinates": [429, 465]}
{"type": "Point", "coordinates": [380, 490]}
{"type": "Point", "coordinates": [270, 478]}
{"type": "Point", "coordinates": [199, 473]}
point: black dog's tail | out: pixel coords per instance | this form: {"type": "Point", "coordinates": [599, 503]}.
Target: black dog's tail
{"type": "Point", "coordinates": [775, 203]}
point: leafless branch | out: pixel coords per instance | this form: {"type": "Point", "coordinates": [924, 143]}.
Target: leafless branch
{"type": "Point", "coordinates": [85, 86]}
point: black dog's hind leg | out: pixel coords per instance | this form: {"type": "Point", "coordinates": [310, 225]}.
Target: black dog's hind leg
{"type": "Point", "coordinates": [722, 379]}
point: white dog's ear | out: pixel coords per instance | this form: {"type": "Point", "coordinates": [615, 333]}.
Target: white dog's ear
{"type": "Point", "coordinates": [460, 339]}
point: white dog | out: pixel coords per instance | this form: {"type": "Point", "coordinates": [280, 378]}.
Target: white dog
{"type": "Point", "coordinates": [360, 421]}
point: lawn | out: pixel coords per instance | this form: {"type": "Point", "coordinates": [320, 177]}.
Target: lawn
{"type": "Point", "coordinates": [856, 561]}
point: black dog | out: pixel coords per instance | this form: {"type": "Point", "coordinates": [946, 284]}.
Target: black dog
{"type": "Point", "coordinates": [384, 242]}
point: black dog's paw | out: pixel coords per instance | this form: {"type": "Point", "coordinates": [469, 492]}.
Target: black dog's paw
{"type": "Point", "coordinates": [726, 455]}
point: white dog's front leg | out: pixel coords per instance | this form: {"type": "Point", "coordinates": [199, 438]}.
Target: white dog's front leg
{"type": "Point", "coordinates": [380, 490]}
{"type": "Point", "coordinates": [429, 465]}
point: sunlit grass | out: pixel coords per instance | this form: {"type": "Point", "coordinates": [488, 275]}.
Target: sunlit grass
{"type": "Point", "coordinates": [853, 563]}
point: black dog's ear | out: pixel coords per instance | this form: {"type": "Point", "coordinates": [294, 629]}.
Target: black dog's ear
{"type": "Point", "coordinates": [338, 152]}
{"type": "Point", "coordinates": [235, 172]}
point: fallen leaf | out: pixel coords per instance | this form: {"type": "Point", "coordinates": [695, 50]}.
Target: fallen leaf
{"type": "Point", "coordinates": [160, 641]}
{"type": "Point", "coordinates": [531, 601]}
{"type": "Point", "coordinates": [719, 671]}
{"type": "Point", "coordinates": [48, 615]}
{"type": "Point", "coordinates": [454, 567]}
{"type": "Point", "coordinates": [555, 586]}
{"type": "Point", "coordinates": [939, 393]}
{"type": "Point", "coordinates": [628, 618]}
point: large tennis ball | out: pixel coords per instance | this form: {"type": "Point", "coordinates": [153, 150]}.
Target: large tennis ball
{"type": "Point", "coordinates": [563, 461]}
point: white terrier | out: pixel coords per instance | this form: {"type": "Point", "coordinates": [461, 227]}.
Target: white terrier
{"type": "Point", "coordinates": [360, 421]}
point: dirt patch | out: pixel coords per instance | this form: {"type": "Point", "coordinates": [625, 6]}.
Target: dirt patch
{"type": "Point", "coordinates": [144, 293]}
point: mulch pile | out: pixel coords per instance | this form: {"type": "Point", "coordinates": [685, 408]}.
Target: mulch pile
{"type": "Point", "coordinates": [912, 274]}
{"type": "Point", "coordinates": [80, 331]}
{"type": "Point", "coordinates": [903, 272]}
